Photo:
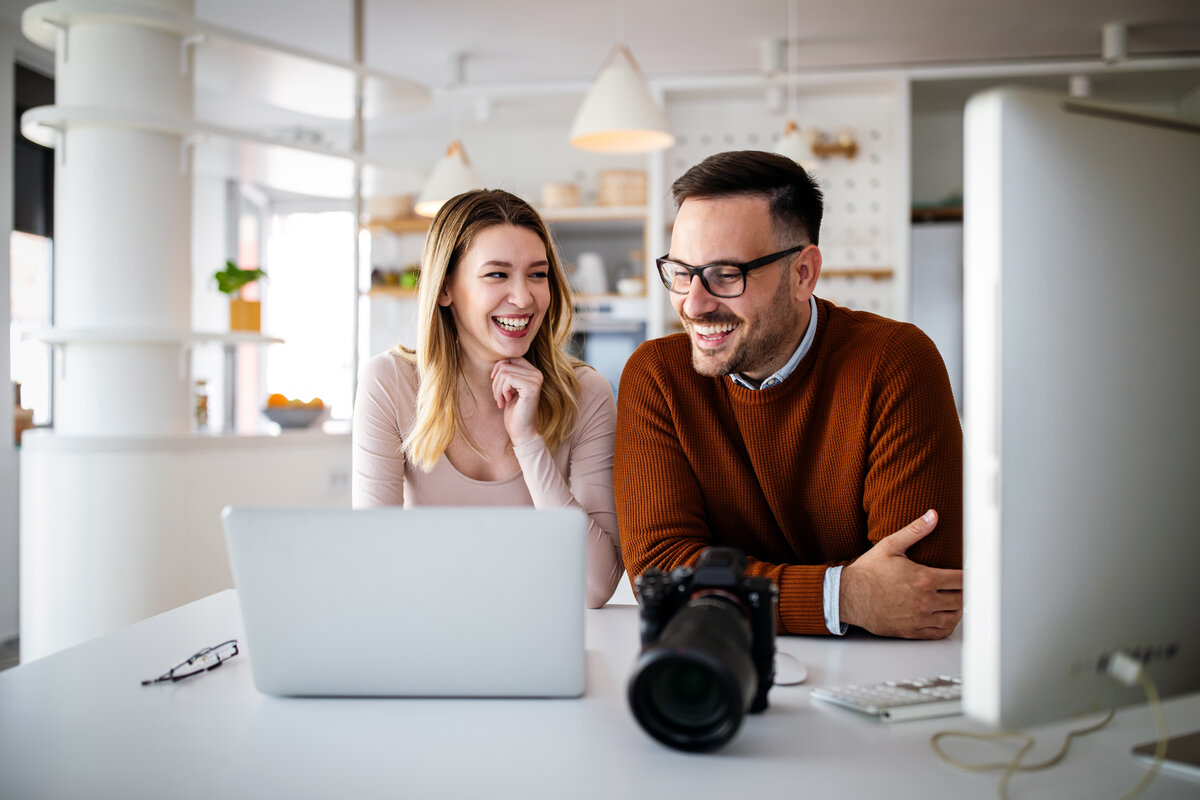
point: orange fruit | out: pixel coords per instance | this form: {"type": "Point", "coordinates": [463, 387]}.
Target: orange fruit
{"type": "Point", "coordinates": [277, 401]}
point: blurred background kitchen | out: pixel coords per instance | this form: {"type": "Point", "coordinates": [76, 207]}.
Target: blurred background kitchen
{"type": "Point", "coordinates": [154, 143]}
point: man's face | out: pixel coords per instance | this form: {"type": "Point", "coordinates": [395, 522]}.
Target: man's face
{"type": "Point", "coordinates": [755, 333]}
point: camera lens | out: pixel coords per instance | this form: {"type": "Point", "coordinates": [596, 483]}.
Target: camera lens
{"type": "Point", "coordinates": [687, 693]}
{"type": "Point", "coordinates": [691, 688]}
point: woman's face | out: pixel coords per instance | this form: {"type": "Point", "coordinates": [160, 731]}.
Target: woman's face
{"type": "Point", "coordinates": [499, 293]}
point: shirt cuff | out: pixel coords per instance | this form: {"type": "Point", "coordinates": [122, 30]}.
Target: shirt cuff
{"type": "Point", "coordinates": [833, 590]}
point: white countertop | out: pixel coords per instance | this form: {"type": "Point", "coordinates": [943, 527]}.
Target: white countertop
{"type": "Point", "coordinates": [79, 724]}
{"type": "Point", "coordinates": [49, 441]}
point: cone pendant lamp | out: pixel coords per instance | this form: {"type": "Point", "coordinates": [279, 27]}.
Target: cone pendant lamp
{"type": "Point", "coordinates": [791, 144]}
{"type": "Point", "coordinates": [618, 114]}
{"type": "Point", "coordinates": [452, 175]}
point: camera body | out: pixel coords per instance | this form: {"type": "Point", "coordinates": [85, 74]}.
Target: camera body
{"type": "Point", "coordinates": [708, 650]}
{"type": "Point", "coordinates": [719, 571]}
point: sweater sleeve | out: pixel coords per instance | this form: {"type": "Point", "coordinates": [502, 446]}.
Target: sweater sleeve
{"type": "Point", "coordinates": [915, 450]}
{"type": "Point", "coordinates": [378, 455]}
{"type": "Point", "coordinates": [590, 488]}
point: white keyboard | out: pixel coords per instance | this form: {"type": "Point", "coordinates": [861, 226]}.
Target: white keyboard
{"type": "Point", "coordinates": [895, 701]}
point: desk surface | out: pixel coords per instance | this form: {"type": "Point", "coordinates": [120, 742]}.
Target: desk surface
{"type": "Point", "coordinates": [79, 724]}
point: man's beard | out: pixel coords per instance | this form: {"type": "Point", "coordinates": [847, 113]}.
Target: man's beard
{"type": "Point", "coordinates": [778, 325]}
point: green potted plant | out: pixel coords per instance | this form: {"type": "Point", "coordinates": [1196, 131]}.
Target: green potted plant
{"type": "Point", "coordinates": [244, 315]}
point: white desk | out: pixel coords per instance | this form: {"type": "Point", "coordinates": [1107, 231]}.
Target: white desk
{"type": "Point", "coordinates": [78, 724]}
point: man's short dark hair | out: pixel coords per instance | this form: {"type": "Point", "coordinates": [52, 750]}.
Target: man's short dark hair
{"type": "Point", "coordinates": [795, 199]}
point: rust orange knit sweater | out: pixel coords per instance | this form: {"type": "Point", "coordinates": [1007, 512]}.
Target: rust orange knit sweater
{"type": "Point", "coordinates": [859, 441]}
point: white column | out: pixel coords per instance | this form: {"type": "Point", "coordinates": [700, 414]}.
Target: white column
{"type": "Point", "coordinates": [123, 216]}
{"type": "Point", "coordinates": [105, 538]}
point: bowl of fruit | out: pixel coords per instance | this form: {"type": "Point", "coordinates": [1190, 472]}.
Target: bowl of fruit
{"type": "Point", "coordinates": [291, 413]}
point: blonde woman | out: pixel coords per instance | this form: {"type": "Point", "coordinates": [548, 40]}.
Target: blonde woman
{"type": "Point", "coordinates": [489, 409]}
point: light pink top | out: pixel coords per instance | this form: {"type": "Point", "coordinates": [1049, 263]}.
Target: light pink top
{"type": "Point", "coordinates": [577, 475]}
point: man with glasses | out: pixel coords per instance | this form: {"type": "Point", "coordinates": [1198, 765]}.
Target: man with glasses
{"type": "Point", "coordinates": [822, 442]}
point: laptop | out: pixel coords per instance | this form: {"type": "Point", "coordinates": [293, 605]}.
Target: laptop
{"type": "Point", "coordinates": [424, 602]}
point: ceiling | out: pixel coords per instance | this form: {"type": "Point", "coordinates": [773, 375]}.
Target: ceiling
{"type": "Point", "coordinates": [530, 60]}
{"type": "Point", "coordinates": [523, 41]}
{"type": "Point", "coordinates": [504, 43]}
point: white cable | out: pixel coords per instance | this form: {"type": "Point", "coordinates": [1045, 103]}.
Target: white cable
{"type": "Point", "coordinates": [1127, 670]}
{"type": "Point", "coordinates": [1122, 668]}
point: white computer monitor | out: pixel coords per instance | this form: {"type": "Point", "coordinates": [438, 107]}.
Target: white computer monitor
{"type": "Point", "coordinates": [1081, 406]}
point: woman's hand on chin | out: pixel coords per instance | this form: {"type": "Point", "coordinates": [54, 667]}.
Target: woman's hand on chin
{"type": "Point", "coordinates": [516, 386]}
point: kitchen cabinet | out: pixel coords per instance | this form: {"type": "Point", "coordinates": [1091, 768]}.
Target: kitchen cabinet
{"type": "Point", "coordinates": [609, 325]}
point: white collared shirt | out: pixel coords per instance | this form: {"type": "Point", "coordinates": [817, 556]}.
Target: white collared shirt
{"type": "Point", "coordinates": [833, 575]}
{"type": "Point", "coordinates": [787, 369]}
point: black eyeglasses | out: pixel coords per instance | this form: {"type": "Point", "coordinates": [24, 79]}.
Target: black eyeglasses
{"type": "Point", "coordinates": [720, 280]}
{"type": "Point", "coordinates": [207, 659]}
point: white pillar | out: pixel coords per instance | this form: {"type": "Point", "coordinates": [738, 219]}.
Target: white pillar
{"type": "Point", "coordinates": [123, 218]}
{"type": "Point", "coordinates": [103, 540]}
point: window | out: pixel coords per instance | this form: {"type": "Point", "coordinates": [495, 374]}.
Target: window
{"type": "Point", "coordinates": [311, 296]}
{"type": "Point", "coordinates": [31, 263]}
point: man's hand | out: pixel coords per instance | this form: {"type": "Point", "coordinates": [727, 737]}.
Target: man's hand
{"type": "Point", "coordinates": [886, 593]}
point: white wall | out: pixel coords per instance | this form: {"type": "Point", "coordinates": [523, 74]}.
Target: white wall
{"type": "Point", "coordinates": [141, 532]}
{"type": "Point", "coordinates": [865, 226]}
{"type": "Point", "coordinates": [8, 454]}
{"type": "Point", "coordinates": [937, 155]}
{"type": "Point", "coordinates": [937, 285]}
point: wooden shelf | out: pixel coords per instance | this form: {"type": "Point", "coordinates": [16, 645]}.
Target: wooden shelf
{"type": "Point", "coordinates": [401, 292]}
{"type": "Point", "coordinates": [937, 214]}
{"type": "Point", "coordinates": [595, 219]}
{"type": "Point", "coordinates": [872, 274]}
{"type": "Point", "coordinates": [593, 213]}
{"type": "Point", "coordinates": [399, 225]}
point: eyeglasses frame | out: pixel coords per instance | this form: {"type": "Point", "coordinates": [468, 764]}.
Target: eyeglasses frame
{"type": "Point", "coordinates": [745, 268]}
{"type": "Point", "coordinates": [177, 673]}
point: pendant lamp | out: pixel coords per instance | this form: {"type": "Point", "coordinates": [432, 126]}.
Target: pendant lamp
{"type": "Point", "coordinates": [791, 144]}
{"type": "Point", "coordinates": [618, 114]}
{"type": "Point", "coordinates": [452, 175]}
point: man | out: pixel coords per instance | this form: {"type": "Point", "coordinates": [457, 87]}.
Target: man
{"type": "Point", "coordinates": [822, 442]}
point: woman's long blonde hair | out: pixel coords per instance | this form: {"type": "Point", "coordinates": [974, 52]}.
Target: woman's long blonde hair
{"type": "Point", "coordinates": [438, 417]}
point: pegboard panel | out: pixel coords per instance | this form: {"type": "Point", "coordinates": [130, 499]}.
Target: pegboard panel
{"type": "Point", "coordinates": [860, 292]}
{"type": "Point", "coordinates": [865, 197]}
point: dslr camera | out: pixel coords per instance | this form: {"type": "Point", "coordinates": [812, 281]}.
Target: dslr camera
{"type": "Point", "coordinates": [708, 650]}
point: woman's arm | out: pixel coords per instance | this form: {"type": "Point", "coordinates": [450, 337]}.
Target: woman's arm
{"type": "Point", "coordinates": [378, 455]}
{"type": "Point", "coordinates": [590, 487]}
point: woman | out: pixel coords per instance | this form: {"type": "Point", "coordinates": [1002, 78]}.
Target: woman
{"type": "Point", "coordinates": [490, 410]}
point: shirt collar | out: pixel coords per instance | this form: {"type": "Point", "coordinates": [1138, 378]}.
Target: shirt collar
{"type": "Point", "coordinates": [787, 369]}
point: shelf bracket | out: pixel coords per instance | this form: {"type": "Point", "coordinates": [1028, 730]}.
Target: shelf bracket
{"type": "Point", "coordinates": [187, 49]}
